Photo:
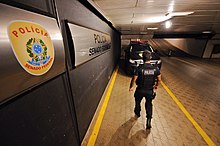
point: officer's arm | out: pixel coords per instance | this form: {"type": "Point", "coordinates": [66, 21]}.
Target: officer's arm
{"type": "Point", "coordinates": [158, 80]}
{"type": "Point", "coordinates": [133, 80]}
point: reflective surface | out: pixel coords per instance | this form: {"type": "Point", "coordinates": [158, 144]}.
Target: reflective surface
{"type": "Point", "coordinates": [14, 79]}
{"type": "Point", "coordinates": [88, 43]}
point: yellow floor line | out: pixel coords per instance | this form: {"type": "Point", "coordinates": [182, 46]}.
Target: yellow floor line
{"type": "Point", "coordinates": [98, 123]}
{"type": "Point", "coordinates": [195, 124]}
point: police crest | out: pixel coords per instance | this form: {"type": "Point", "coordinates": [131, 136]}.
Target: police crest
{"type": "Point", "coordinates": [37, 51]}
{"type": "Point", "coordinates": [32, 46]}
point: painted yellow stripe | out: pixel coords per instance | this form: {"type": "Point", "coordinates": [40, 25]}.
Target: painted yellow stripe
{"type": "Point", "coordinates": [195, 124]}
{"type": "Point", "coordinates": [98, 123]}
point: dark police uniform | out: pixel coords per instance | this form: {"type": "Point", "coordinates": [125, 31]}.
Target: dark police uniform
{"type": "Point", "coordinates": [147, 76]}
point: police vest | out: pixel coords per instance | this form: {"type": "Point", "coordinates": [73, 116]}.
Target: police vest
{"type": "Point", "coordinates": [146, 77]}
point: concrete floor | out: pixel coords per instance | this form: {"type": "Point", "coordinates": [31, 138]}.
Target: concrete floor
{"type": "Point", "coordinates": [195, 83]}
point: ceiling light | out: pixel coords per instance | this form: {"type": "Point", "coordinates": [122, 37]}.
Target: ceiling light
{"type": "Point", "coordinates": [173, 14]}
{"type": "Point", "coordinates": [157, 19]}
{"type": "Point", "coordinates": [162, 17]}
{"type": "Point", "coordinates": [168, 24]}
{"type": "Point", "coordinates": [206, 32]}
{"type": "Point", "coordinates": [152, 28]}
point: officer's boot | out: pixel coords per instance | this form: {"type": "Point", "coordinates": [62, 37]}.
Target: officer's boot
{"type": "Point", "coordinates": [148, 123]}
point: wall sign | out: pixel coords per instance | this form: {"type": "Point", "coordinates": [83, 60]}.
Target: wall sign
{"type": "Point", "coordinates": [32, 46]}
{"type": "Point", "coordinates": [88, 43]}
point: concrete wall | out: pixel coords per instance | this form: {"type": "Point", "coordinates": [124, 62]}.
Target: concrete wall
{"type": "Point", "coordinates": [193, 47]}
{"type": "Point", "coordinates": [209, 48]}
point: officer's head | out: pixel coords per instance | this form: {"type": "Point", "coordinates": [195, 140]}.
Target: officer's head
{"type": "Point", "coordinates": [147, 56]}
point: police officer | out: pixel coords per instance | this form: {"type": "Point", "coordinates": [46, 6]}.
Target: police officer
{"type": "Point", "coordinates": [146, 78]}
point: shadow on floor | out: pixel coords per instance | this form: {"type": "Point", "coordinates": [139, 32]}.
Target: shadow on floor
{"type": "Point", "coordinates": [121, 136]}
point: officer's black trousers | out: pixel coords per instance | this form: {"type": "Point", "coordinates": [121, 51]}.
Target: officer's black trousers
{"type": "Point", "coordinates": [139, 94]}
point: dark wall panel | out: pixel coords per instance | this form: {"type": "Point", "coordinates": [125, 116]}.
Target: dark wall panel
{"type": "Point", "coordinates": [88, 84]}
{"type": "Point", "coordinates": [41, 117]}
{"type": "Point", "coordinates": [88, 80]}
{"type": "Point", "coordinates": [116, 43]}
{"type": "Point", "coordinates": [44, 5]}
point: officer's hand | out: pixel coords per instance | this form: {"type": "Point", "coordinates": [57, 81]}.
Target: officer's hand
{"type": "Point", "coordinates": [130, 90]}
{"type": "Point", "coordinates": [154, 95]}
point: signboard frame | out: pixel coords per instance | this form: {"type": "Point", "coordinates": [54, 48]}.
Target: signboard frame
{"type": "Point", "coordinates": [88, 43]}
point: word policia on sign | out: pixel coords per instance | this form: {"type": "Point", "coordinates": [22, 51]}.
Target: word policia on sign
{"type": "Point", "coordinates": [100, 40]}
{"type": "Point", "coordinates": [30, 29]}
{"type": "Point", "coordinates": [88, 43]}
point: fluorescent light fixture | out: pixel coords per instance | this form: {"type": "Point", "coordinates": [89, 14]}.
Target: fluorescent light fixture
{"type": "Point", "coordinates": [157, 19]}
{"type": "Point", "coordinates": [161, 18]}
{"type": "Point", "coordinates": [152, 28]}
{"type": "Point", "coordinates": [173, 14]}
{"type": "Point", "coordinates": [207, 32]}
{"type": "Point", "coordinates": [168, 24]}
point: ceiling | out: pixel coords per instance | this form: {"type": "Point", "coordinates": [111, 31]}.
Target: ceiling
{"type": "Point", "coordinates": [136, 17]}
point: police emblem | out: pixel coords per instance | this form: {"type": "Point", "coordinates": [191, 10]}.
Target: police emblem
{"type": "Point", "coordinates": [32, 46]}
{"type": "Point", "coordinates": [37, 51]}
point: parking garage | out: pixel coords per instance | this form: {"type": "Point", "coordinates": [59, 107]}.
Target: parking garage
{"type": "Point", "coordinates": [64, 79]}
